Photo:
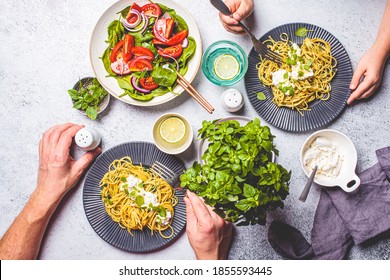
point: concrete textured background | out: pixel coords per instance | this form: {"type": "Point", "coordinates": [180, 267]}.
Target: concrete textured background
{"type": "Point", "coordinates": [44, 51]}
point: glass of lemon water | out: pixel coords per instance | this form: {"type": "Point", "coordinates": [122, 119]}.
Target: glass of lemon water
{"type": "Point", "coordinates": [224, 63]}
{"type": "Point", "coordinates": [172, 133]}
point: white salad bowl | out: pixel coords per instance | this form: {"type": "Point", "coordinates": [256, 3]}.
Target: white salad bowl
{"type": "Point", "coordinates": [98, 46]}
{"type": "Point", "coordinates": [347, 179]}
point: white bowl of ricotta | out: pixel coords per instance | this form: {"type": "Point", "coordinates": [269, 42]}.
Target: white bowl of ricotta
{"type": "Point", "coordinates": [335, 155]}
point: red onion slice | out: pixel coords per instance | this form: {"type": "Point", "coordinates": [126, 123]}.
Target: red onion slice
{"type": "Point", "coordinates": [132, 25]}
{"type": "Point", "coordinates": [185, 43]}
{"type": "Point", "coordinates": [136, 87]}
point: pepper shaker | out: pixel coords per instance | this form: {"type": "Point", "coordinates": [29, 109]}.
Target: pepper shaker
{"type": "Point", "coordinates": [232, 100]}
{"type": "Point", "coordinates": [87, 138]}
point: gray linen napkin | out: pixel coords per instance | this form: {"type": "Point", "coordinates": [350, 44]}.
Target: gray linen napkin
{"type": "Point", "coordinates": [342, 219]}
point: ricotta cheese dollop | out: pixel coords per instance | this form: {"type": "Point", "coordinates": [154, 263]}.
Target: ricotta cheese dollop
{"type": "Point", "coordinates": [323, 153]}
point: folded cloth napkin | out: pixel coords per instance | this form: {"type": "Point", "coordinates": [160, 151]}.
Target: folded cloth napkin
{"type": "Point", "coordinates": [342, 219]}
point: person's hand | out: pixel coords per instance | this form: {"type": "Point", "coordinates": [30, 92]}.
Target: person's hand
{"type": "Point", "coordinates": [58, 171]}
{"type": "Point", "coordinates": [209, 234]}
{"type": "Point", "coordinates": [370, 66]}
{"type": "Point", "coordinates": [240, 9]}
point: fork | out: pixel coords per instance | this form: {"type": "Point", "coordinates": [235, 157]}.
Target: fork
{"type": "Point", "coordinates": [167, 174]}
{"type": "Point", "coordinates": [259, 47]}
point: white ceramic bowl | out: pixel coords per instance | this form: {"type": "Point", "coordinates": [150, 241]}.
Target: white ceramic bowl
{"type": "Point", "coordinates": [98, 45]}
{"type": "Point", "coordinates": [169, 148]}
{"type": "Point", "coordinates": [347, 179]}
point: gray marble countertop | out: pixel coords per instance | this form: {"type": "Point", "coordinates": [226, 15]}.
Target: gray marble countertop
{"type": "Point", "coordinates": [45, 50]}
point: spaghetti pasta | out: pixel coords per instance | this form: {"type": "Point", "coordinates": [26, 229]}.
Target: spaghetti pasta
{"type": "Point", "coordinates": [305, 74]}
{"type": "Point", "coordinates": [136, 197]}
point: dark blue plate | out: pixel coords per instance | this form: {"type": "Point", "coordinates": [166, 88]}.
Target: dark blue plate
{"type": "Point", "coordinates": [142, 241]}
{"type": "Point", "coordinates": [322, 112]}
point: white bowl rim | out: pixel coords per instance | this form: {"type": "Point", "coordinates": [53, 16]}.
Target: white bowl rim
{"type": "Point", "coordinates": [178, 89]}
{"type": "Point", "coordinates": [185, 146]}
{"type": "Point", "coordinates": [338, 181]}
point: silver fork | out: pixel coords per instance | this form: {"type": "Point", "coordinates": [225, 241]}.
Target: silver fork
{"type": "Point", "coordinates": [167, 174]}
{"type": "Point", "coordinates": [259, 47]}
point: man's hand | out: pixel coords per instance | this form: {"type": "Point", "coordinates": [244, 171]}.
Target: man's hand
{"type": "Point", "coordinates": [209, 235]}
{"type": "Point", "coordinates": [58, 171]}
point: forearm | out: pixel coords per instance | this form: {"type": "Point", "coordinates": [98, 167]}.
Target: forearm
{"type": "Point", "coordinates": [382, 42]}
{"type": "Point", "coordinates": [23, 239]}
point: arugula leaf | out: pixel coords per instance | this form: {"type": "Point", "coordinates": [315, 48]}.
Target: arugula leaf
{"type": "Point", "coordinates": [302, 31]}
{"type": "Point", "coordinates": [260, 96]}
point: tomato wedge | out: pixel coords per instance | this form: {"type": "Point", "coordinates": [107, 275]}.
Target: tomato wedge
{"type": "Point", "coordinates": [122, 49]}
{"type": "Point", "coordinates": [116, 50]}
{"type": "Point", "coordinates": [177, 38]}
{"type": "Point", "coordinates": [142, 51]}
{"type": "Point", "coordinates": [131, 17]}
{"type": "Point", "coordinates": [152, 10]}
{"type": "Point", "coordinates": [169, 27]}
{"type": "Point", "coordinates": [140, 64]}
{"type": "Point", "coordinates": [159, 29]}
{"type": "Point", "coordinates": [174, 51]}
{"type": "Point", "coordinates": [148, 83]}
{"type": "Point", "coordinates": [129, 43]}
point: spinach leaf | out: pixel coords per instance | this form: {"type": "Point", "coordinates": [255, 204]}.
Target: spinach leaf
{"type": "Point", "coordinates": [164, 77]}
{"type": "Point", "coordinates": [186, 55]}
{"type": "Point", "coordinates": [115, 33]}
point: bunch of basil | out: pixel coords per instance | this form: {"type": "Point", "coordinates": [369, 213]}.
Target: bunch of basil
{"type": "Point", "coordinates": [238, 177]}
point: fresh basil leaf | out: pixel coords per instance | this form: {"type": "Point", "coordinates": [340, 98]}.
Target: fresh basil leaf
{"type": "Point", "coordinates": [91, 113]}
{"type": "Point", "coordinates": [302, 31]}
{"type": "Point", "coordinates": [261, 96]}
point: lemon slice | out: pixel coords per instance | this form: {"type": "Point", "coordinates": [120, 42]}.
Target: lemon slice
{"type": "Point", "coordinates": [172, 130]}
{"type": "Point", "coordinates": [226, 67]}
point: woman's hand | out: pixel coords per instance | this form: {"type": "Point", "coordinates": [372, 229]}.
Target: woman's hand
{"type": "Point", "coordinates": [208, 233]}
{"type": "Point", "coordinates": [370, 67]}
{"type": "Point", "coordinates": [240, 10]}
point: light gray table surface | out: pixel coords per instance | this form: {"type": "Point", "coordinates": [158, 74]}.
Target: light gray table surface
{"type": "Point", "coordinates": [45, 50]}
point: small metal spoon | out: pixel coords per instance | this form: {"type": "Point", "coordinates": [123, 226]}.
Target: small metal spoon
{"type": "Point", "coordinates": [306, 190]}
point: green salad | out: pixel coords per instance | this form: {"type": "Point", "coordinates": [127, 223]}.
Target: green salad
{"type": "Point", "coordinates": [238, 176]}
{"type": "Point", "coordinates": [147, 45]}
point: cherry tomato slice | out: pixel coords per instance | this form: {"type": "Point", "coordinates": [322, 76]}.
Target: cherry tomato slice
{"type": "Point", "coordinates": [148, 83]}
{"type": "Point", "coordinates": [129, 43]}
{"type": "Point", "coordinates": [140, 64]}
{"type": "Point", "coordinates": [174, 51]}
{"type": "Point", "coordinates": [116, 50]}
{"type": "Point", "coordinates": [152, 10]}
{"type": "Point", "coordinates": [131, 18]}
{"type": "Point", "coordinates": [177, 38]}
{"type": "Point", "coordinates": [159, 29]}
{"type": "Point", "coordinates": [142, 51]}
{"type": "Point", "coordinates": [170, 23]}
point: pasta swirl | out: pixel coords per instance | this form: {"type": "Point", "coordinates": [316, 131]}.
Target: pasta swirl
{"type": "Point", "coordinates": [147, 203]}
{"type": "Point", "coordinates": [307, 70]}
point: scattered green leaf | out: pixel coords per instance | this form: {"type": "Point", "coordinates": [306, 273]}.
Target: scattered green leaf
{"type": "Point", "coordinates": [302, 31]}
{"type": "Point", "coordinates": [261, 96]}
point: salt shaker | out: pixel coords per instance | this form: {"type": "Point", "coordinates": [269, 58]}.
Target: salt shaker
{"type": "Point", "coordinates": [232, 100]}
{"type": "Point", "coordinates": [87, 138]}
